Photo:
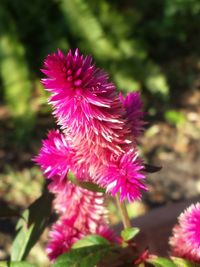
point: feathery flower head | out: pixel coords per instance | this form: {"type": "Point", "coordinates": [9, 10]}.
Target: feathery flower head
{"type": "Point", "coordinates": [55, 157]}
{"type": "Point", "coordinates": [99, 127]}
{"type": "Point", "coordinates": [185, 241]}
{"type": "Point", "coordinates": [75, 85]}
{"type": "Point", "coordinates": [125, 177]}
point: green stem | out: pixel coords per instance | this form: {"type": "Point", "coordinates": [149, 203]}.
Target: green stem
{"type": "Point", "coordinates": [124, 213]}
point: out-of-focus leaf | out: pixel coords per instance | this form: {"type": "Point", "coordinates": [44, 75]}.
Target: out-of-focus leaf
{"type": "Point", "coordinates": [151, 168]}
{"type": "Point", "coordinates": [91, 240]}
{"type": "Point", "coordinates": [7, 211]}
{"type": "Point", "coordinates": [16, 264]}
{"type": "Point", "coordinates": [83, 257]}
{"type": "Point", "coordinates": [160, 262]}
{"type": "Point", "coordinates": [15, 75]}
{"type": "Point", "coordinates": [129, 233]}
{"type": "Point", "coordinates": [184, 263]}
{"type": "Point", "coordinates": [175, 117]}
{"type": "Point", "coordinates": [88, 27]}
{"type": "Point", "coordinates": [30, 226]}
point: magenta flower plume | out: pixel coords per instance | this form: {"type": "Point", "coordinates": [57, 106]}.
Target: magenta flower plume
{"type": "Point", "coordinates": [133, 106]}
{"type": "Point", "coordinates": [82, 212]}
{"type": "Point", "coordinates": [98, 127]}
{"type": "Point", "coordinates": [185, 241]}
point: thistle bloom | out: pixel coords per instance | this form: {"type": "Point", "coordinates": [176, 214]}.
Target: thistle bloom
{"type": "Point", "coordinates": [185, 241]}
{"type": "Point", "coordinates": [99, 127]}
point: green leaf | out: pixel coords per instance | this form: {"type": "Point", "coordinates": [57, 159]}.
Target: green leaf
{"type": "Point", "coordinates": [30, 226]}
{"type": "Point", "coordinates": [82, 257]}
{"type": "Point", "coordinates": [151, 168]}
{"type": "Point", "coordinates": [129, 233]}
{"type": "Point", "coordinates": [87, 185]}
{"type": "Point", "coordinates": [91, 240]}
{"type": "Point", "coordinates": [16, 264]}
{"type": "Point", "coordinates": [183, 263]}
{"type": "Point", "coordinates": [161, 262]}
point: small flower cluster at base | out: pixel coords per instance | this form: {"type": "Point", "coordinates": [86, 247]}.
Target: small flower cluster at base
{"type": "Point", "coordinates": [81, 212]}
{"type": "Point", "coordinates": [185, 241]}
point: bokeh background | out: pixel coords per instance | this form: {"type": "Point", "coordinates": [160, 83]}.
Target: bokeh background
{"type": "Point", "coordinates": [152, 46]}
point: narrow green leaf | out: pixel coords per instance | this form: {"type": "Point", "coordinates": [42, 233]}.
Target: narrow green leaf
{"type": "Point", "coordinates": [161, 262]}
{"type": "Point", "coordinates": [129, 233]}
{"type": "Point", "coordinates": [16, 264]}
{"type": "Point", "coordinates": [151, 168]}
{"type": "Point", "coordinates": [30, 226]}
{"type": "Point", "coordinates": [183, 263]}
{"type": "Point", "coordinates": [90, 240]}
{"type": "Point", "coordinates": [82, 257]}
{"type": "Point", "coordinates": [87, 185]}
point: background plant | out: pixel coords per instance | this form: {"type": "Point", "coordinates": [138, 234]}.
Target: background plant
{"type": "Point", "coordinates": [150, 46]}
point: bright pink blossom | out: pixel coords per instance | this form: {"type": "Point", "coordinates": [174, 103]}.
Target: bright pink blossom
{"type": "Point", "coordinates": [124, 176]}
{"type": "Point", "coordinates": [185, 241]}
{"type": "Point", "coordinates": [97, 126]}
{"type": "Point", "coordinates": [55, 157]}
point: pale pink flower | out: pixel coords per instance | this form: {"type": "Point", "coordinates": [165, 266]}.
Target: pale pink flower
{"type": "Point", "coordinates": [61, 238]}
{"type": "Point", "coordinates": [185, 241]}
{"type": "Point", "coordinates": [82, 212]}
{"type": "Point", "coordinates": [97, 127]}
{"type": "Point", "coordinates": [86, 207]}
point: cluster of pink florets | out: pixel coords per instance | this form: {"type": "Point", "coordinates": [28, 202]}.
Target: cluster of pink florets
{"type": "Point", "coordinates": [185, 241]}
{"type": "Point", "coordinates": [97, 143]}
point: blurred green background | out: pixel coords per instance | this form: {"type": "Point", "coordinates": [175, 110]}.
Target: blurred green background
{"type": "Point", "coordinates": [152, 46]}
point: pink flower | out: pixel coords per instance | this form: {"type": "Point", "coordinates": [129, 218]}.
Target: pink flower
{"type": "Point", "coordinates": [71, 201]}
{"type": "Point", "coordinates": [133, 106]}
{"type": "Point", "coordinates": [99, 130]}
{"type": "Point", "coordinates": [82, 212]}
{"type": "Point", "coordinates": [185, 241]}
{"type": "Point", "coordinates": [124, 176]}
{"type": "Point", "coordinates": [62, 236]}
{"type": "Point", "coordinates": [55, 157]}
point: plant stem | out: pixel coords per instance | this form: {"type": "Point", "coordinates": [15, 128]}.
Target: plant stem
{"type": "Point", "coordinates": [123, 211]}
